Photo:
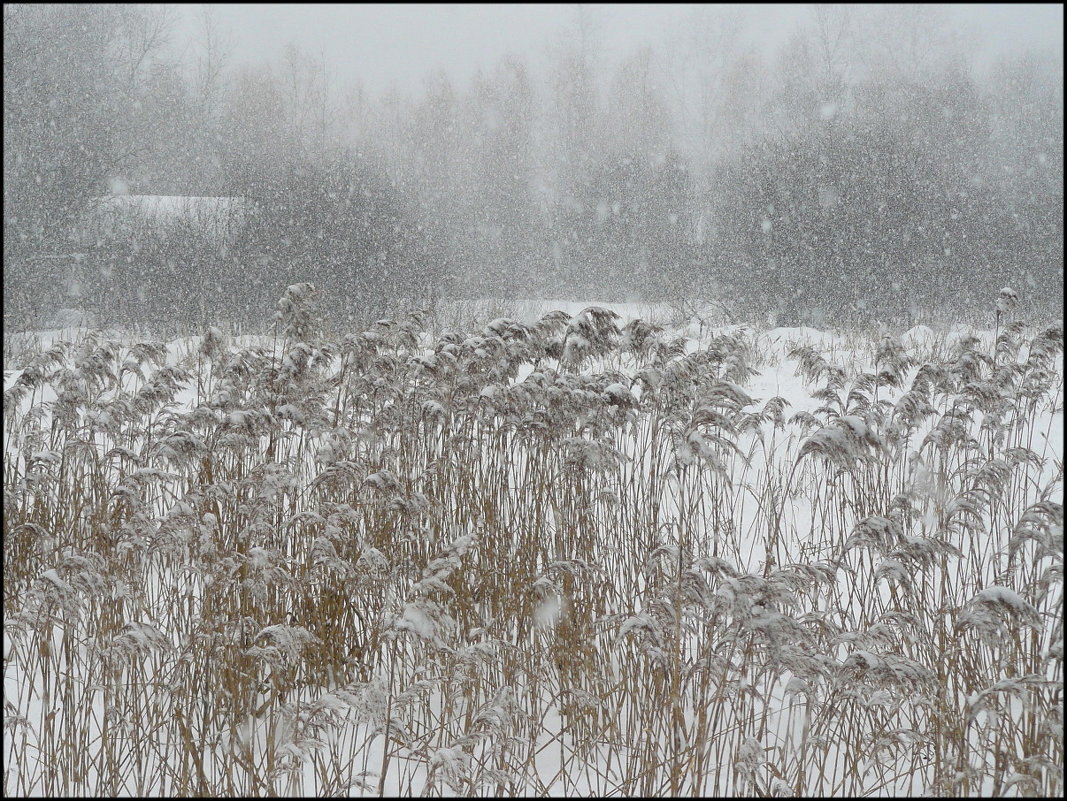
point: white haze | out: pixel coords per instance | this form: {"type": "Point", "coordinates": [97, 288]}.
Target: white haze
{"type": "Point", "coordinates": [383, 46]}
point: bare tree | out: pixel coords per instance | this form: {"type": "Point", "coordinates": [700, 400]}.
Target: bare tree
{"type": "Point", "coordinates": [216, 48]}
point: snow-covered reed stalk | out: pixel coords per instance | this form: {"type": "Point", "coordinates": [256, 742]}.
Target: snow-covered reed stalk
{"type": "Point", "coordinates": [570, 556]}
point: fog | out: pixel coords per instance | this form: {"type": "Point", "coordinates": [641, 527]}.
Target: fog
{"type": "Point", "coordinates": [384, 47]}
{"type": "Point", "coordinates": [826, 165]}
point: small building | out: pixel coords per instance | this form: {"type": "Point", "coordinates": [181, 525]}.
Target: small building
{"type": "Point", "coordinates": [119, 217]}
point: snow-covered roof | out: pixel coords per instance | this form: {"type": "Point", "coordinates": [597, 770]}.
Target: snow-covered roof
{"type": "Point", "coordinates": [118, 215]}
{"type": "Point", "coordinates": [169, 205]}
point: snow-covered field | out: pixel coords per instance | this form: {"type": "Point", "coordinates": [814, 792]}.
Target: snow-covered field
{"type": "Point", "coordinates": [559, 553]}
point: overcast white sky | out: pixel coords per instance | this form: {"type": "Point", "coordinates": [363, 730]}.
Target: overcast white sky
{"type": "Point", "coordinates": [386, 45]}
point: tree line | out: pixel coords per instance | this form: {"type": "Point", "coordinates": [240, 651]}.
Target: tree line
{"type": "Point", "coordinates": [866, 169]}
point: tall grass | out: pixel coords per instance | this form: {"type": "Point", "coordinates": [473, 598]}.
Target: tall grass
{"type": "Point", "coordinates": [568, 557]}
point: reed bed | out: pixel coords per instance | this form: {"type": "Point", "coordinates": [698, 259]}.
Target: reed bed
{"type": "Point", "coordinates": [565, 558]}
